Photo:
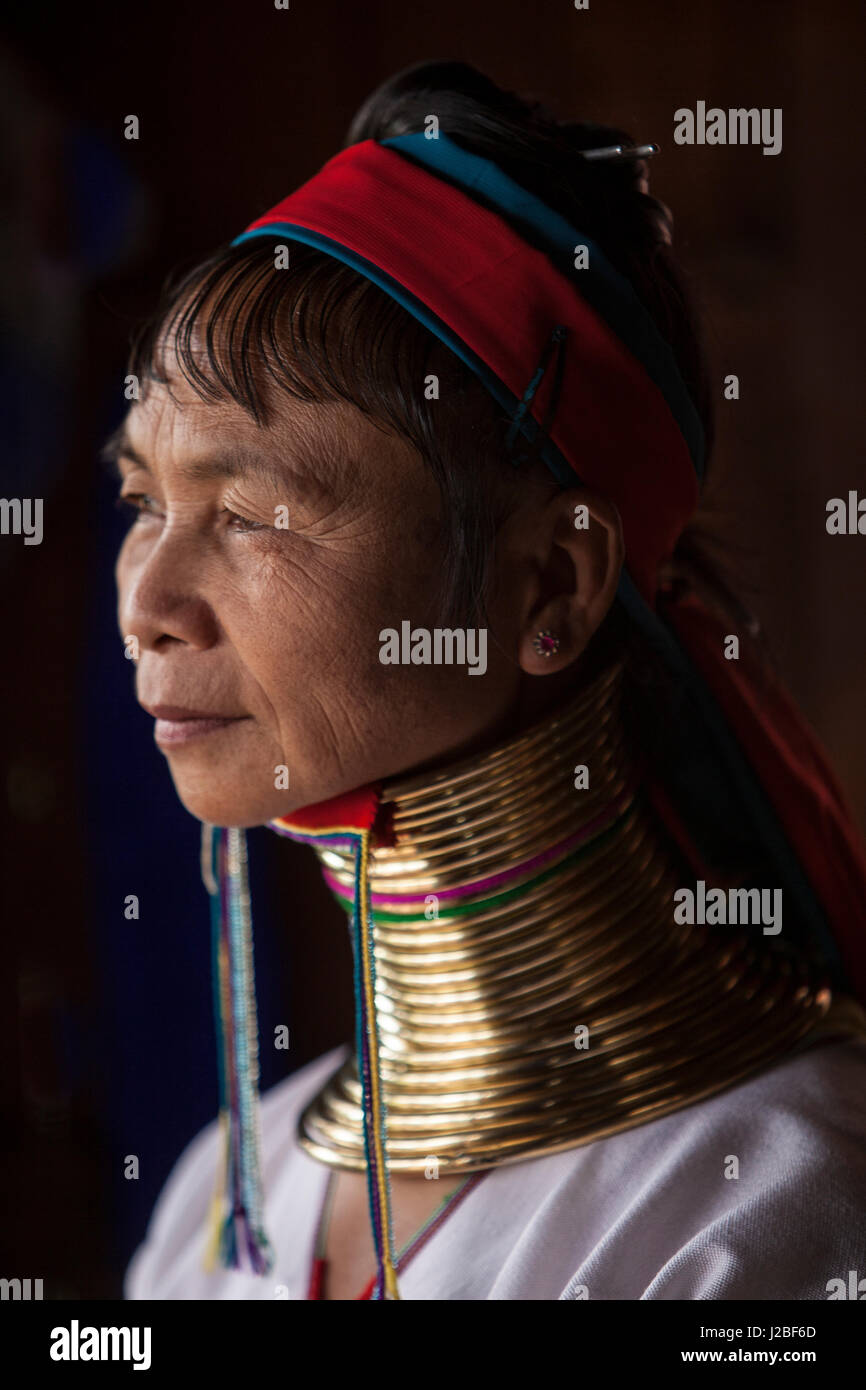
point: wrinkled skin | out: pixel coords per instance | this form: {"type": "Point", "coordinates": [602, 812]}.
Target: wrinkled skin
{"type": "Point", "coordinates": [236, 616]}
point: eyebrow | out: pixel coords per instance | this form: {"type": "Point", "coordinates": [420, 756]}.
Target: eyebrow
{"type": "Point", "coordinates": [230, 464]}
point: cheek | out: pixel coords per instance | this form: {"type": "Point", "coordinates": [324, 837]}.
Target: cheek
{"type": "Point", "coordinates": [305, 626]}
{"type": "Point", "coordinates": [322, 607]}
{"type": "Point", "coordinates": [309, 624]}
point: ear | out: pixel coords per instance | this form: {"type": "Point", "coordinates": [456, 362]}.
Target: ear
{"type": "Point", "coordinates": [572, 555]}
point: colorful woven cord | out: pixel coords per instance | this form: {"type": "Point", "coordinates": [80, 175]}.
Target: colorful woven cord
{"type": "Point", "coordinates": [357, 837]}
{"type": "Point", "coordinates": [237, 1228]}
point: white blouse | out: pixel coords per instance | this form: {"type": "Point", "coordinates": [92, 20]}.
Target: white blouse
{"type": "Point", "coordinates": [756, 1193]}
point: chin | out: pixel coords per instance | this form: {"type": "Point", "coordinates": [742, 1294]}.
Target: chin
{"type": "Point", "coordinates": [241, 809]}
{"type": "Point", "coordinates": [231, 816]}
{"type": "Point", "coordinates": [224, 808]}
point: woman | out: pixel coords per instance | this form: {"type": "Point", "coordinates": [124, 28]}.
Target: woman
{"type": "Point", "coordinates": [413, 579]}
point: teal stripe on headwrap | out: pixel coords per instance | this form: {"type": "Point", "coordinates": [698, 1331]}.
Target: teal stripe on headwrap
{"type": "Point", "coordinates": [600, 284]}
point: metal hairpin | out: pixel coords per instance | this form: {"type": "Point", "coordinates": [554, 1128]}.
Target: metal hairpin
{"type": "Point", "coordinates": [621, 152]}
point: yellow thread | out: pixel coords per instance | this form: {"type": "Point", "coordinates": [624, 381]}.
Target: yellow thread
{"type": "Point", "coordinates": [311, 830]}
{"type": "Point", "coordinates": [391, 1288]}
{"type": "Point", "coordinates": [218, 1200]}
{"type": "Point", "coordinates": [216, 1204]}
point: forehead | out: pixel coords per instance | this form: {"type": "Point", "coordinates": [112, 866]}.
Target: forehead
{"type": "Point", "coordinates": [322, 450]}
{"type": "Point", "coordinates": [173, 417]}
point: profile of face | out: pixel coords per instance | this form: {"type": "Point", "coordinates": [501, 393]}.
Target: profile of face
{"type": "Point", "coordinates": [261, 567]}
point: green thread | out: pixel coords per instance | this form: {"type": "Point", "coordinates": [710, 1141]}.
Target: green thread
{"type": "Point", "coordinates": [454, 913]}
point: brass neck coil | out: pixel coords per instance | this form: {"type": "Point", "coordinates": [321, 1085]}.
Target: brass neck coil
{"type": "Point", "coordinates": [533, 990]}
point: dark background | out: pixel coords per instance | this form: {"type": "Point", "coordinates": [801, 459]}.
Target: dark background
{"type": "Point", "coordinates": [107, 1037]}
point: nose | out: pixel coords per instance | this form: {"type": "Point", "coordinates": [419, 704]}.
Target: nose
{"type": "Point", "coordinates": [161, 592]}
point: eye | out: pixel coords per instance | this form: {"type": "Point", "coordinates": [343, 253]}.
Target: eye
{"type": "Point", "coordinates": [143, 504]}
{"type": "Point", "coordinates": [243, 522]}
{"type": "Point", "coordinates": [137, 502]}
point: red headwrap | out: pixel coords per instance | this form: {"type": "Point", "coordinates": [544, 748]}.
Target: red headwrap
{"type": "Point", "coordinates": [562, 342]}
{"type": "Point", "coordinates": [493, 272]}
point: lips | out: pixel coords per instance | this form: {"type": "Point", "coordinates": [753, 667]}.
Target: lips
{"type": "Point", "coordinates": [178, 713]}
{"type": "Point", "coordinates": [178, 724]}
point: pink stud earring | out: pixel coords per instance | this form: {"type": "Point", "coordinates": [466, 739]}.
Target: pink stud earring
{"type": "Point", "coordinates": [546, 643]}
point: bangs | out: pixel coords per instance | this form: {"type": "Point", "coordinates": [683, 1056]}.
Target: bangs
{"type": "Point", "coordinates": [238, 328]}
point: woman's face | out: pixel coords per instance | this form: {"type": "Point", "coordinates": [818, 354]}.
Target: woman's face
{"type": "Point", "coordinates": [256, 578]}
